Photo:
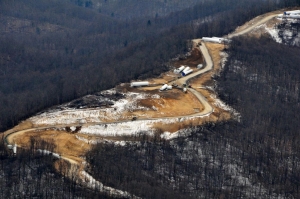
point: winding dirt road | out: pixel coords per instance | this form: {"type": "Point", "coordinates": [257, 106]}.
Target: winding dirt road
{"type": "Point", "coordinates": [207, 107]}
{"type": "Point", "coordinates": [209, 65]}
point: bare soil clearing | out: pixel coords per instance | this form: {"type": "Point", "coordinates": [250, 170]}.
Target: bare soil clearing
{"type": "Point", "coordinates": [66, 144]}
{"type": "Point", "coordinates": [200, 84]}
{"type": "Point", "coordinates": [170, 103]}
{"type": "Point", "coordinates": [206, 79]}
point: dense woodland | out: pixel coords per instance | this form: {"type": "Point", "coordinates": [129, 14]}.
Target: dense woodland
{"type": "Point", "coordinates": [53, 51]}
{"type": "Point", "coordinates": [256, 157]}
{"type": "Point", "coordinates": [135, 8]}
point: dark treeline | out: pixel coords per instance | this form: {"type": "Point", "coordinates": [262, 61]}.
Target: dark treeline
{"type": "Point", "coordinates": [257, 157]}
{"type": "Point", "coordinates": [267, 96]}
{"type": "Point", "coordinates": [53, 51]}
{"type": "Point", "coordinates": [135, 8]}
{"type": "Point", "coordinates": [57, 57]}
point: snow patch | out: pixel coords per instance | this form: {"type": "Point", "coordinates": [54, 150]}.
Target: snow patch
{"type": "Point", "coordinates": [94, 184]}
{"type": "Point", "coordinates": [94, 115]}
{"type": "Point", "coordinates": [155, 96]}
{"type": "Point", "coordinates": [86, 140]}
{"type": "Point", "coordinates": [224, 58]}
{"type": "Point", "coordinates": [119, 129]}
{"type": "Point", "coordinates": [284, 32]}
{"type": "Point", "coordinates": [177, 134]}
{"type": "Point", "coordinates": [274, 34]}
{"type": "Point", "coordinates": [219, 103]}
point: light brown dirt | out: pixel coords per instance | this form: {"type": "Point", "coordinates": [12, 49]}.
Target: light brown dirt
{"type": "Point", "coordinates": [23, 125]}
{"type": "Point", "coordinates": [204, 80]}
{"type": "Point", "coordinates": [173, 127]}
{"type": "Point", "coordinates": [163, 78]}
{"type": "Point", "coordinates": [66, 144]}
{"type": "Point", "coordinates": [214, 51]}
{"type": "Point", "coordinates": [171, 103]}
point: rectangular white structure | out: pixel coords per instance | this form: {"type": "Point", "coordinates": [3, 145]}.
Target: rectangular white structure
{"type": "Point", "coordinates": [137, 84]}
{"type": "Point", "coordinates": [293, 12]}
{"type": "Point", "coordinates": [179, 70]}
{"type": "Point", "coordinates": [186, 69]}
{"type": "Point", "coordinates": [212, 39]}
{"type": "Point", "coordinates": [185, 73]}
{"type": "Point", "coordinates": [164, 87]}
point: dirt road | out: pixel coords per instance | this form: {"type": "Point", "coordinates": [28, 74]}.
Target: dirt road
{"type": "Point", "coordinates": [248, 29]}
{"type": "Point", "coordinates": [209, 66]}
{"type": "Point", "coordinates": [207, 107]}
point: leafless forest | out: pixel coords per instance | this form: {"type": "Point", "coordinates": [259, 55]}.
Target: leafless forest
{"type": "Point", "coordinates": [55, 51]}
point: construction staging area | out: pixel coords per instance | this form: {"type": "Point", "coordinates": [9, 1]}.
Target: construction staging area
{"type": "Point", "coordinates": [181, 97]}
{"type": "Point", "coordinates": [170, 96]}
{"type": "Point", "coordinates": [164, 106]}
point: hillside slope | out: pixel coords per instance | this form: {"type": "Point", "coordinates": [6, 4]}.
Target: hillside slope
{"type": "Point", "coordinates": [215, 161]}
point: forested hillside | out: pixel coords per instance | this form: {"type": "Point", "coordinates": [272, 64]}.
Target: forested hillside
{"type": "Point", "coordinates": [31, 175]}
{"type": "Point", "coordinates": [257, 157]}
{"type": "Point", "coordinates": [134, 8]}
{"type": "Point", "coordinates": [54, 51]}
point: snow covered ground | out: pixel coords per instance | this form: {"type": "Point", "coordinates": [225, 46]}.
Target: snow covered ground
{"type": "Point", "coordinates": [94, 115]}
{"type": "Point", "coordinates": [285, 32]}
{"type": "Point", "coordinates": [111, 117]}
{"type": "Point", "coordinates": [120, 129]}
{"type": "Point", "coordinates": [94, 121]}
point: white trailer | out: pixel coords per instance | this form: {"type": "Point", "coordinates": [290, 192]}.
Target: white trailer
{"type": "Point", "coordinates": [178, 70]}
{"type": "Point", "coordinates": [212, 39]}
{"type": "Point", "coordinates": [181, 68]}
{"type": "Point", "coordinates": [169, 87]}
{"type": "Point", "coordinates": [164, 87]}
{"type": "Point", "coordinates": [185, 73]}
{"type": "Point", "coordinates": [293, 12]}
{"type": "Point", "coordinates": [292, 16]}
{"type": "Point", "coordinates": [217, 38]}
{"type": "Point", "coordinates": [186, 69]}
{"type": "Point", "coordinates": [138, 84]}
{"type": "Point", "coordinates": [56, 155]}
